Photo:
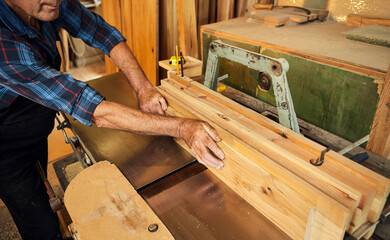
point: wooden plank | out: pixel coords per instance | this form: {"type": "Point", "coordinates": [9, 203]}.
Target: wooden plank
{"type": "Point", "coordinates": [225, 10]}
{"type": "Point", "coordinates": [187, 25]}
{"type": "Point", "coordinates": [104, 205]}
{"type": "Point", "coordinates": [239, 171]}
{"type": "Point", "coordinates": [370, 176]}
{"type": "Point", "coordinates": [144, 29]}
{"type": "Point", "coordinates": [271, 144]}
{"type": "Point", "coordinates": [350, 168]}
{"type": "Point", "coordinates": [111, 13]}
{"type": "Point", "coordinates": [379, 141]}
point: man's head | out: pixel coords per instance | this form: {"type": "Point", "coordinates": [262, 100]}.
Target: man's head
{"type": "Point", "coordinates": [44, 10]}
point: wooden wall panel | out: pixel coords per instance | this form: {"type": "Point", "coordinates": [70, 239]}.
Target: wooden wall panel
{"type": "Point", "coordinates": [111, 13]}
{"type": "Point", "coordinates": [144, 30]}
{"type": "Point", "coordinates": [187, 25]}
{"type": "Point", "coordinates": [225, 10]}
{"type": "Point", "coordinates": [169, 35]}
{"type": "Point", "coordinates": [138, 22]}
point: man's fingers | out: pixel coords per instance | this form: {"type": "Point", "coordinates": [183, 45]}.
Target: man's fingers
{"type": "Point", "coordinates": [204, 156]}
{"type": "Point", "coordinates": [211, 131]}
{"type": "Point", "coordinates": [163, 103]}
{"type": "Point", "coordinates": [215, 149]}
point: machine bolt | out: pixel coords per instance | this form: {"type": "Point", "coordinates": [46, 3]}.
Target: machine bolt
{"type": "Point", "coordinates": [153, 227]}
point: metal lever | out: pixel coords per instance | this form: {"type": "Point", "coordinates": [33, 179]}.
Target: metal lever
{"type": "Point", "coordinates": [55, 203]}
{"type": "Point", "coordinates": [73, 141]}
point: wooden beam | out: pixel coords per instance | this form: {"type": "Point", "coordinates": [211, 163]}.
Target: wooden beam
{"type": "Point", "coordinates": [187, 25]}
{"type": "Point", "coordinates": [256, 178]}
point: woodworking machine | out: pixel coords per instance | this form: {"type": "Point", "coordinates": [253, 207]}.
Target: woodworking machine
{"type": "Point", "coordinates": [185, 195]}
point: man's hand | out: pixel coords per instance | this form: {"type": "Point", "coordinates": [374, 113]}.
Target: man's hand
{"type": "Point", "coordinates": [150, 100]}
{"type": "Point", "coordinates": [202, 138]}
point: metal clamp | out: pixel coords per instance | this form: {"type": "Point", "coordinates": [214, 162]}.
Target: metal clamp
{"type": "Point", "coordinates": [320, 160]}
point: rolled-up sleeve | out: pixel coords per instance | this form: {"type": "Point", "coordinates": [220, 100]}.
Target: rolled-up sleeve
{"type": "Point", "coordinates": [88, 26]}
{"type": "Point", "coordinates": [24, 72]}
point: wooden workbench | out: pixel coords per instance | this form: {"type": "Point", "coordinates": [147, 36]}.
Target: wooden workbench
{"type": "Point", "coordinates": [334, 81]}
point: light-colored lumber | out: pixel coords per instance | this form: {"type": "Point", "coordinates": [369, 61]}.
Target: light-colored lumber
{"type": "Point", "coordinates": [379, 141]}
{"type": "Point", "coordinates": [247, 179]}
{"type": "Point", "coordinates": [103, 205]}
{"type": "Point", "coordinates": [382, 184]}
{"type": "Point", "coordinates": [187, 25]}
{"type": "Point", "coordinates": [350, 172]}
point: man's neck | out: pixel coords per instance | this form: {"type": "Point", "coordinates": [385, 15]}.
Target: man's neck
{"type": "Point", "coordinates": [30, 20]}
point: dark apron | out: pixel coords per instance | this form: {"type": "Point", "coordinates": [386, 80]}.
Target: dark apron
{"type": "Point", "coordinates": [24, 128]}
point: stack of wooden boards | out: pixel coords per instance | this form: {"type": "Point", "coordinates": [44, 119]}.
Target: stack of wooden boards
{"type": "Point", "coordinates": [281, 16]}
{"type": "Point", "coordinates": [269, 166]}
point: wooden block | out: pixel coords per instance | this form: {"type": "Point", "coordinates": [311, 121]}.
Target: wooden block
{"type": "Point", "coordinates": [266, 185]}
{"type": "Point", "coordinates": [192, 67]}
{"type": "Point", "coordinates": [104, 205]}
{"type": "Point", "coordinates": [337, 161]}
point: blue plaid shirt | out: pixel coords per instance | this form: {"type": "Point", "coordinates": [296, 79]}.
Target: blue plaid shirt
{"type": "Point", "coordinates": [28, 59]}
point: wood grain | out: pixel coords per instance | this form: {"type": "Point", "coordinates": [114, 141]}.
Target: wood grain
{"type": "Point", "coordinates": [379, 141]}
{"type": "Point", "coordinates": [187, 25]}
{"type": "Point", "coordinates": [257, 178]}
{"type": "Point", "coordinates": [225, 10]}
{"type": "Point", "coordinates": [344, 165]}
{"type": "Point", "coordinates": [104, 205]}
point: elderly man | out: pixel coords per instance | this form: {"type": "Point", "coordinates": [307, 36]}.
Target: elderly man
{"type": "Point", "coordinates": [32, 90]}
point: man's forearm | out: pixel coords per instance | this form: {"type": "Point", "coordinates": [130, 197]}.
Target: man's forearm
{"type": "Point", "coordinates": [127, 63]}
{"type": "Point", "coordinates": [117, 116]}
